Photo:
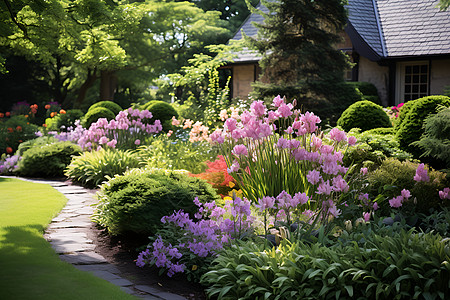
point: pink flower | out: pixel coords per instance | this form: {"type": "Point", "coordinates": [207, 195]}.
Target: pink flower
{"type": "Point", "coordinates": [375, 206]}
{"type": "Point", "coordinates": [258, 108]}
{"type": "Point", "coordinates": [265, 203]}
{"type": "Point", "coordinates": [363, 171]}
{"type": "Point", "coordinates": [230, 124]}
{"type": "Point", "coordinates": [223, 115]}
{"type": "Point", "coordinates": [351, 140]}
{"type": "Point", "coordinates": [217, 137]}
{"type": "Point", "coordinates": [169, 133]}
{"type": "Point", "coordinates": [137, 142]}
{"type": "Point", "coordinates": [313, 176]}
{"type": "Point", "coordinates": [334, 211]}
{"type": "Point", "coordinates": [233, 168]}
{"type": "Point", "coordinates": [239, 150]}
{"type": "Point", "coordinates": [175, 122]}
{"type": "Point", "coordinates": [396, 202]}
{"type": "Point", "coordinates": [324, 188]}
{"type": "Point", "coordinates": [366, 216]}
{"type": "Point", "coordinates": [284, 200]}
{"type": "Point", "coordinates": [421, 174]}
{"type": "Point", "coordinates": [405, 194]}
{"type": "Point", "coordinates": [285, 110]}
{"type": "Point", "coordinates": [112, 143]}
{"type": "Point", "coordinates": [283, 143]}
{"type": "Point", "coordinates": [337, 135]}
{"type": "Point", "coordinates": [445, 193]}
{"type": "Point", "coordinates": [187, 123]}
{"type": "Point", "coordinates": [316, 142]}
{"type": "Point", "coordinates": [103, 140]}
{"type": "Point", "coordinates": [339, 184]}
{"type": "Point", "coordinates": [309, 121]}
{"type": "Point", "coordinates": [277, 101]}
{"type": "Point", "coordinates": [301, 198]}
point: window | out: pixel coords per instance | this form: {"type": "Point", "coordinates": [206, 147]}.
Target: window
{"type": "Point", "coordinates": [413, 81]}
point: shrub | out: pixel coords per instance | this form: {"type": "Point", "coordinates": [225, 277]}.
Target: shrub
{"type": "Point", "coordinates": [366, 88]}
{"type": "Point", "coordinates": [364, 115]}
{"type": "Point", "coordinates": [37, 142]}
{"type": "Point", "coordinates": [162, 111]}
{"type": "Point", "coordinates": [96, 113]}
{"type": "Point", "coordinates": [393, 176]}
{"type": "Point", "coordinates": [112, 106]}
{"type": "Point", "coordinates": [381, 131]}
{"type": "Point", "coordinates": [402, 266]}
{"type": "Point", "coordinates": [14, 131]}
{"type": "Point", "coordinates": [92, 168]}
{"type": "Point", "coordinates": [411, 128]}
{"type": "Point", "coordinates": [403, 112]}
{"type": "Point", "coordinates": [435, 141]}
{"type": "Point", "coordinates": [137, 200]}
{"type": "Point", "coordinates": [47, 161]}
{"type": "Point", "coordinates": [64, 121]}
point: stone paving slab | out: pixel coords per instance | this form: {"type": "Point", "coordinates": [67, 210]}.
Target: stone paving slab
{"type": "Point", "coordinates": [71, 248]}
{"type": "Point", "coordinates": [98, 267]}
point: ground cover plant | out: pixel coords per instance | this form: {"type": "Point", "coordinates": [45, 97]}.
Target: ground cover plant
{"type": "Point", "coordinates": [30, 267]}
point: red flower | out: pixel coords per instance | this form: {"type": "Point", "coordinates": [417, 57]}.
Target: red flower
{"type": "Point", "coordinates": [47, 106]}
{"type": "Point", "coordinates": [19, 128]}
{"type": "Point", "coordinates": [9, 150]}
{"type": "Point", "coordinates": [7, 114]}
{"type": "Point", "coordinates": [2, 115]}
{"type": "Point", "coordinates": [10, 130]}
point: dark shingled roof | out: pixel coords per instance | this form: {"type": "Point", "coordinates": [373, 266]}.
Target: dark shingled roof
{"type": "Point", "coordinates": [414, 27]}
{"type": "Point", "coordinates": [385, 28]}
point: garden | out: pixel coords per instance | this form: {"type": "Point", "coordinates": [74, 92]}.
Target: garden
{"type": "Point", "coordinates": [266, 202]}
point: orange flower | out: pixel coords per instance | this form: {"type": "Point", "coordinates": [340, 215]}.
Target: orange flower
{"type": "Point", "coordinates": [52, 114]}
{"type": "Point", "coordinates": [47, 106]}
{"type": "Point", "coordinates": [9, 150]}
{"type": "Point", "coordinates": [2, 115]}
{"type": "Point", "coordinates": [26, 116]}
{"type": "Point", "coordinates": [62, 111]}
{"type": "Point", "coordinates": [28, 123]}
{"type": "Point", "coordinates": [10, 130]}
{"type": "Point", "coordinates": [20, 141]}
{"type": "Point", "coordinates": [7, 114]}
{"type": "Point", "coordinates": [44, 125]}
{"type": "Point", "coordinates": [19, 128]}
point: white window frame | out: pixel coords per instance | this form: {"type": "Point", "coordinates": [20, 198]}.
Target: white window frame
{"type": "Point", "coordinates": [400, 78]}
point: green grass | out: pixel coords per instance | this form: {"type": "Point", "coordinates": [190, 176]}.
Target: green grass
{"type": "Point", "coordinates": [29, 267]}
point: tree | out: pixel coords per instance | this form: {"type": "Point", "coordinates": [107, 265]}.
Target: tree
{"type": "Point", "coordinates": [297, 40]}
{"type": "Point", "coordinates": [79, 42]}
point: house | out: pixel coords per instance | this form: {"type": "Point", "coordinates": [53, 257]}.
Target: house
{"type": "Point", "coordinates": [401, 46]}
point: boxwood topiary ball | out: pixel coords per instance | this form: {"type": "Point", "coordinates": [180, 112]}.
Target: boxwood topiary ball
{"type": "Point", "coordinates": [364, 115]}
{"type": "Point", "coordinates": [112, 106]}
{"type": "Point", "coordinates": [162, 111]}
{"type": "Point", "coordinates": [96, 113]}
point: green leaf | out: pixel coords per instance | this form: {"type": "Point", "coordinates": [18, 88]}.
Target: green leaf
{"type": "Point", "coordinates": [349, 289]}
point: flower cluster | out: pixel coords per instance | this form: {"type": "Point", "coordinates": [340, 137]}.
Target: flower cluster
{"type": "Point", "coordinates": [296, 157]}
{"type": "Point", "coordinates": [9, 165]}
{"type": "Point", "coordinates": [397, 202]}
{"type": "Point", "coordinates": [198, 132]}
{"type": "Point", "coordinates": [421, 174]}
{"type": "Point", "coordinates": [127, 130]}
{"type": "Point", "coordinates": [445, 193]}
{"type": "Point", "coordinates": [201, 238]}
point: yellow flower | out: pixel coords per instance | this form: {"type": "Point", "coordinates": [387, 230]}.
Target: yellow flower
{"type": "Point", "coordinates": [194, 267]}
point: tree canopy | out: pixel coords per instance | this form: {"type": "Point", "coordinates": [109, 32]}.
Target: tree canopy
{"type": "Point", "coordinates": [77, 42]}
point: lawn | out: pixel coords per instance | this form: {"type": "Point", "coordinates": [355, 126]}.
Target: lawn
{"type": "Point", "coordinates": [29, 267]}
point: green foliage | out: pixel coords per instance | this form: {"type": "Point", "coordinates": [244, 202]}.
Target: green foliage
{"type": "Point", "coordinates": [299, 59]}
{"type": "Point", "coordinates": [411, 127]}
{"type": "Point", "coordinates": [37, 142]}
{"type": "Point", "coordinates": [438, 221]}
{"type": "Point", "coordinates": [166, 153]}
{"type": "Point", "coordinates": [435, 141]}
{"type": "Point", "coordinates": [404, 110]}
{"type": "Point", "coordinates": [48, 160]}
{"type": "Point", "coordinates": [162, 111]}
{"type": "Point", "coordinates": [63, 121]}
{"type": "Point", "coordinates": [96, 113]}
{"type": "Point", "coordinates": [92, 168]}
{"type": "Point", "coordinates": [114, 107]}
{"type": "Point", "coordinates": [381, 131]}
{"type": "Point", "coordinates": [364, 115]}
{"type": "Point", "coordinates": [14, 131]}
{"type": "Point", "coordinates": [393, 176]}
{"type": "Point", "coordinates": [137, 200]}
{"type": "Point", "coordinates": [402, 266]}
{"type": "Point", "coordinates": [366, 88]}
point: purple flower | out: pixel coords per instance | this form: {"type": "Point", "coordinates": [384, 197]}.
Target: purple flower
{"type": "Point", "coordinates": [313, 176]}
{"type": "Point", "coordinates": [396, 202]}
{"type": "Point", "coordinates": [239, 150]}
{"type": "Point", "coordinates": [421, 174]}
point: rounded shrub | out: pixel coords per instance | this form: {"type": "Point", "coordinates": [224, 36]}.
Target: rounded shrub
{"type": "Point", "coordinates": [364, 115]}
{"type": "Point", "coordinates": [92, 168]}
{"type": "Point", "coordinates": [404, 110]}
{"type": "Point", "coordinates": [162, 111]}
{"type": "Point", "coordinates": [112, 106]}
{"type": "Point", "coordinates": [48, 160]}
{"type": "Point", "coordinates": [96, 113]}
{"type": "Point", "coordinates": [381, 131]}
{"type": "Point", "coordinates": [37, 142]}
{"type": "Point", "coordinates": [136, 201]}
{"type": "Point", "coordinates": [411, 127]}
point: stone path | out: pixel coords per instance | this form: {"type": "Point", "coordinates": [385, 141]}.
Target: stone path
{"type": "Point", "coordinates": [67, 233]}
